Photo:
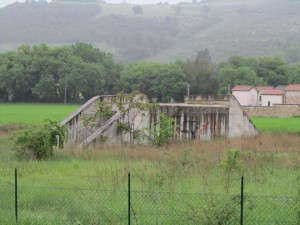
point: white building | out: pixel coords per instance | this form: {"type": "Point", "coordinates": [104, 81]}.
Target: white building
{"type": "Point", "coordinates": [246, 95]}
{"type": "Point", "coordinates": [269, 97]}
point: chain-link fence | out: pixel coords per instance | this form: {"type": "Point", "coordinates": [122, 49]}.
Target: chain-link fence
{"type": "Point", "coordinates": [128, 203]}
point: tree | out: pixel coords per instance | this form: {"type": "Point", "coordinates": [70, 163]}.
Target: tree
{"type": "Point", "coordinates": [137, 9]}
{"type": "Point", "coordinates": [237, 76]}
{"type": "Point", "coordinates": [201, 74]}
{"type": "Point", "coordinates": [45, 88]}
{"type": "Point", "coordinates": [170, 84]}
{"type": "Point", "coordinates": [55, 74]}
{"type": "Point", "coordinates": [270, 71]}
{"type": "Point", "coordinates": [161, 81]}
{"type": "Point", "coordinates": [294, 74]}
{"type": "Point", "coordinates": [134, 107]}
{"type": "Point", "coordinates": [274, 70]}
{"type": "Point", "coordinates": [139, 76]}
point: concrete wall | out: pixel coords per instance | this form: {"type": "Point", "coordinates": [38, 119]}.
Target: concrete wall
{"type": "Point", "coordinates": [198, 122]}
{"type": "Point", "coordinates": [200, 118]}
{"type": "Point", "coordinates": [240, 124]}
{"type": "Point", "coordinates": [273, 111]}
{"type": "Point", "coordinates": [208, 99]}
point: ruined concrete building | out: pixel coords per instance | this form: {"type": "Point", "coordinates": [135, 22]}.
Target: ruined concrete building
{"type": "Point", "coordinates": [201, 117]}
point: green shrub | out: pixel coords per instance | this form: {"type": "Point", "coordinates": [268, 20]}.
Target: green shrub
{"type": "Point", "coordinates": [231, 165]}
{"type": "Point", "coordinates": [164, 132]}
{"type": "Point", "coordinates": [38, 140]}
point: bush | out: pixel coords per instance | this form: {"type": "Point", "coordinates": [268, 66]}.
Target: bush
{"type": "Point", "coordinates": [38, 141]}
{"type": "Point", "coordinates": [164, 132]}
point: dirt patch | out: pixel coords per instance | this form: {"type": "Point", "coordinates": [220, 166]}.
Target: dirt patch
{"type": "Point", "coordinates": [4, 134]}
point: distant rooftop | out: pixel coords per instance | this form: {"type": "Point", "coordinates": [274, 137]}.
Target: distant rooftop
{"type": "Point", "coordinates": [261, 88]}
{"type": "Point", "coordinates": [293, 87]}
{"type": "Point", "coordinates": [281, 87]}
{"type": "Point", "coordinates": [272, 92]}
{"type": "Point", "coordinates": [242, 88]}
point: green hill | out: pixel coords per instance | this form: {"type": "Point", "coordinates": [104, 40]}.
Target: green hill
{"type": "Point", "coordinates": [160, 32]}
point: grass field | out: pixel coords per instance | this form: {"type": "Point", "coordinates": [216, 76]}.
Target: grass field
{"type": "Point", "coordinates": [24, 113]}
{"type": "Point", "coordinates": [277, 125]}
{"type": "Point", "coordinates": [182, 183]}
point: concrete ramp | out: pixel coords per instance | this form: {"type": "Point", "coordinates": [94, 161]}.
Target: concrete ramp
{"type": "Point", "coordinates": [100, 130]}
{"type": "Point", "coordinates": [79, 111]}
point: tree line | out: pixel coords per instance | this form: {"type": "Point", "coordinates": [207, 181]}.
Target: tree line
{"type": "Point", "coordinates": [75, 73]}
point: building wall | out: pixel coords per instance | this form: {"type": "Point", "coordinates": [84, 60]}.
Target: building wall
{"type": "Point", "coordinates": [292, 97]}
{"type": "Point", "coordinates": [272, 99]}
{"type": "Point", "coordinates": [246, 98]}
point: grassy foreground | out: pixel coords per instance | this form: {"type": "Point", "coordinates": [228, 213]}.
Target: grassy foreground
{"type": "Point", "coordinates": [185, 183]}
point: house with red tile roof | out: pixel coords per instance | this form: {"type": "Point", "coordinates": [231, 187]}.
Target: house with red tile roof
{"type": "Point", "coordinates": [249, 95]}
{"type": "Point", "coordinates": [269, 97]}
{"type": "Point", "coordinates": [292, 94]}
{"type": "Point", "coordinates": [245, 94]}
{"type": "Point", "coordinates": [260, 89]}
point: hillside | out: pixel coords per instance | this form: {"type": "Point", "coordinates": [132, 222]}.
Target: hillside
{"type": "Point", "coordinates": [160, 32]}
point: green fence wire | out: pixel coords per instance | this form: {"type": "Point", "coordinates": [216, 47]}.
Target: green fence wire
{"type": "Point", "coordinates": [130, 204]}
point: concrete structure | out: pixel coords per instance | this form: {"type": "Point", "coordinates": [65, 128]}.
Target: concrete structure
{"type": "Point", "coordinates": [292, 94]}
{"type": "Point", "coordinates": [199, 118]}
{"type": "Point", "coordinates": [270, 97]}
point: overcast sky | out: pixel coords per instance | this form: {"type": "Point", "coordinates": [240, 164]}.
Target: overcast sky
{"type": "Point", "coordinates": [6, 2]}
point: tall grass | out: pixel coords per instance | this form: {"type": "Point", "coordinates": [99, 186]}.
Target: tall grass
{"type": "Point", "coordinates": [185, 182]}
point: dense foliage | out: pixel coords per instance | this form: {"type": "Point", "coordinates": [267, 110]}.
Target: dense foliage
{"type": "Point", "coordinates": [75, 73]}
{"type": "Point", "coordinates": [56, 74]}
{"type": "Point", "coordinates": [240, 70]}
{"type": "Point", "coordinates": [38, 141]}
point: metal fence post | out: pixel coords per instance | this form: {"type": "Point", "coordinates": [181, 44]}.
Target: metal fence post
{"type": "Point", "coordinates": [129, 200]}
{"type": "Point", "coordinates": [242, 201]}
{"type": "Point", "coordinates": [16, 193]}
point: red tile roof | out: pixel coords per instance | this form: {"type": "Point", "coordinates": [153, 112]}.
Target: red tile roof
{"type": "Point", "coordinates": [272, 92]}
{"type": "Point", "coordinates": [293, 87]}
{"type": "Point", "coordinates": [242, 88]}
{"type": "Point", "coordinates": [260, 88]}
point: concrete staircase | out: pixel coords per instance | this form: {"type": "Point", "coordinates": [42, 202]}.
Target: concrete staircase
{"type": "Point", "coordinates": [100, 130]}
